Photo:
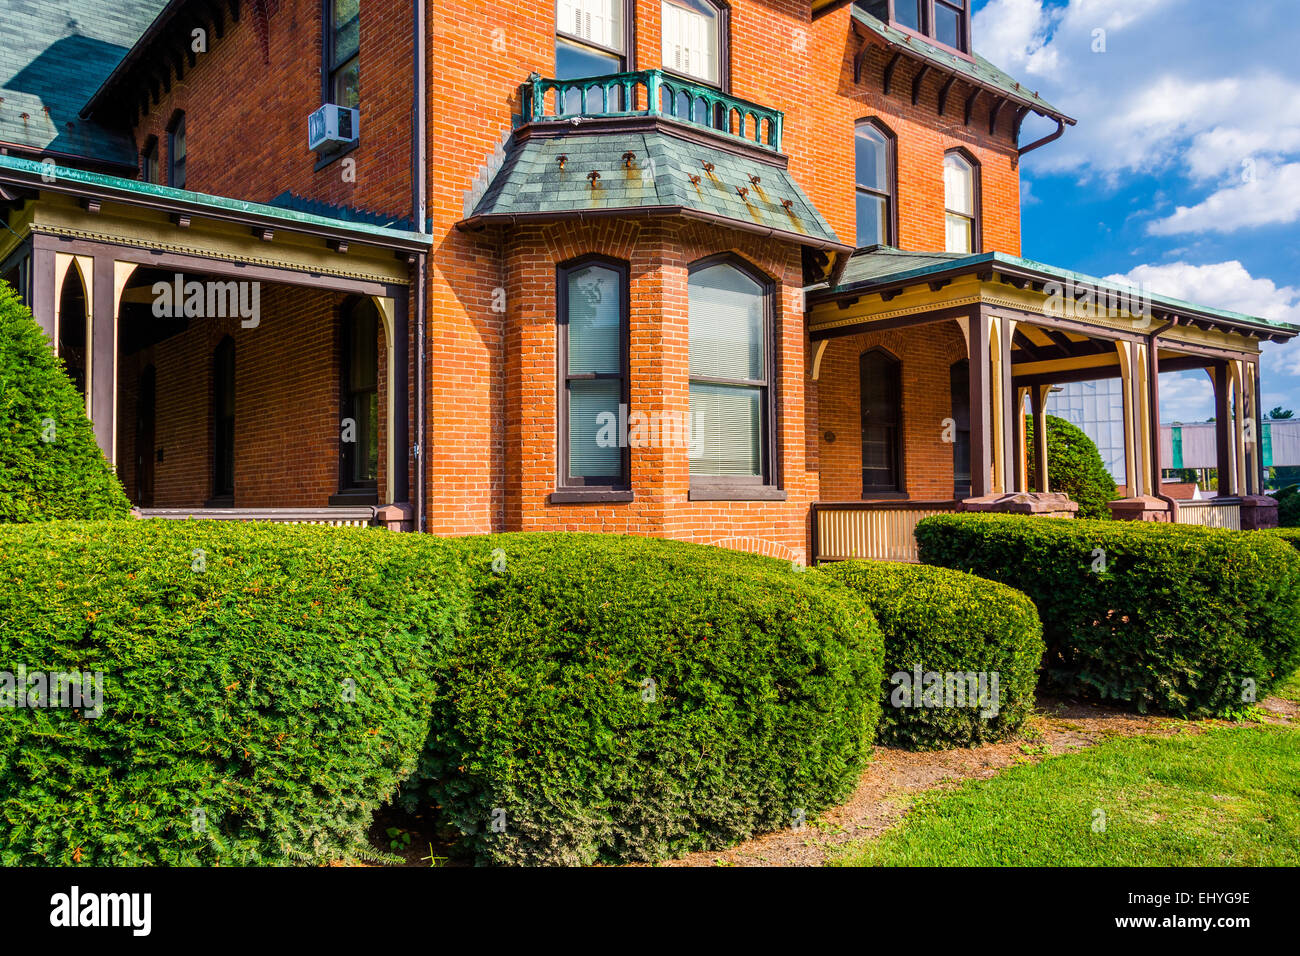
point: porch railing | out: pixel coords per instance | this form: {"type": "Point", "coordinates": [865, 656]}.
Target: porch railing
{"type": "Point", "coordinates": [361, 517]}
{"type": "Point", "coordinates": [1211, 513]}
{"type": "Point", "coordinates": [870, 530]}
{"type": "Point", "coordinates": [652, 93]}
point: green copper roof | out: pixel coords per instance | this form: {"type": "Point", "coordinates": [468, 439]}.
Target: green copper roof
{"type": "Point", "coordinates": [981, 71]}
{"type": "Point", "coordinates": [665, 172]}
{"type": "Point", "coordinates": [875, 267]}
{"type": "Point", "coordinates": [54, 54]}
{"type": "Point", "coordinates": [33, 174]}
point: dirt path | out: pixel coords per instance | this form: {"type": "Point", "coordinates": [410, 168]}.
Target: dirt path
{"type": "Point", "coordinates": [896, 777]}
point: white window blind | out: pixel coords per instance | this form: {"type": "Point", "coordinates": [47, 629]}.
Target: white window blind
{"type": "Point", "coordinates": [727, 342]}
{"type": "Point", "coordinates": [690, 42]}
{"type": "Point", "coordinates": [597, 21]}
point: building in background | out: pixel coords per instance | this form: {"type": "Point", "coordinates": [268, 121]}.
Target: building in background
{"type": "Point", "coordinates": [1098, 409]}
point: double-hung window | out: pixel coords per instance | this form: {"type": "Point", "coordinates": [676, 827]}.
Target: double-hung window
{"type": "Point", "coordinates": [592, 346]}
{"type": "Point", "coordinates": [693, 32]}
{"type": "Point", "coordinates": [961, 204]}
{"type": "Point", "coordinates": [590, 40]}
{"type": "Point", "coordinates": [343, 53]}
{"type": "Point", "coordinates": [731, 368]}
{"type": "Point", "coordinates": [874, 166]}
{"type": "Point", "coordinates": [177, 152]}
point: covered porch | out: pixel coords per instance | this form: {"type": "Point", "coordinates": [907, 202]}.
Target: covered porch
{"type": "Point", "coordinates": [238, 361]}
{"type": "Point", "coordinates": [926, 365]}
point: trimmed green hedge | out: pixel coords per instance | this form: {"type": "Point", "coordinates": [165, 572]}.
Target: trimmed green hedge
{"type": "Point", "coordinates": [50, 464]}
{"type": "Point", "coordinates": [1074, 467]}
{"type": "Point", "coordinates": [942, 622]}
{"type": "Point", "coordinates": [1290, 535]}
{"type": "Point", "coordinates": [622, 698]}
{"type": "Point", "coordinates": [1168, 617]}
{"type": "Point", "coordinates": [260, 699]}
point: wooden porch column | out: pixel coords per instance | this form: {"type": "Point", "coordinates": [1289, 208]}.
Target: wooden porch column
{"type": "Point", "coordinates": [42, 287]}
{"type": "Point", "coordinates": [1222, 424]}
{"type": "Point", "coordinates": [981, 403]}
{"type": "Point", "coordinates": [1022, 451]}
{"type": "Point", "coordinates": [1006, 424]}
{"type": "Point", "coordinates": [1132, 449]}
{"type": "Point", "coordinates": [1038, 402]}
{"type": "Point", "coordinates": [1238, 428]}
{"type": "Point", "coordinates": [101, 357]}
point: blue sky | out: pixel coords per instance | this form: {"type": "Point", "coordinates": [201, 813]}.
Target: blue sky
{"type": "Point", "coordinates": [1184, 170]}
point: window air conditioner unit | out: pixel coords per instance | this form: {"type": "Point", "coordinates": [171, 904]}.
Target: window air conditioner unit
{"type": "Point", "coordinates": [333, 126]}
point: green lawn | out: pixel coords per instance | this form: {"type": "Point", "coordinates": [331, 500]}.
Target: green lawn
{"type": "Point", "coordinates": [1227, 797]}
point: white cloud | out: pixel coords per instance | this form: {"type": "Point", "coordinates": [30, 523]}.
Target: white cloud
{"type": "Point", "coordinates": [1272, 197]}
{"type": "Point", "coordinates": [1168, 95]}
{"type": "Point", "coordinates": [1228, 285]}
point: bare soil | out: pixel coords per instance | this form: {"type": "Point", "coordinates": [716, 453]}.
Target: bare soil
{"type": "Point", "coordinates": [890, 784]}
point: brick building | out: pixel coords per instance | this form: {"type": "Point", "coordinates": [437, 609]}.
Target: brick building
{"type": "Point", "coordinates": [745, 273]}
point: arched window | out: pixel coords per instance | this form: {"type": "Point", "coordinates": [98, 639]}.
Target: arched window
{"type": "Point", "coordinates": [694, 39]}
{"type": "Point", "coordinates": [961, 199]}
{"type": "Point", "coordinates": [875, 184]}
{"type": "Point", "coordinates": [731, 373]}
{"type": "Point", "coordinates": [959, 387]}
{"type": "Point", "coordinates": [881, 380]}
{"type": "Point", "coordinates": [592, 345]}
{"type": "Point", "coordinates": [360, 403]}
{"type": "Point", "coordinates": [177, 152]}
{"type": "Point", "coordinates": [223, 423]}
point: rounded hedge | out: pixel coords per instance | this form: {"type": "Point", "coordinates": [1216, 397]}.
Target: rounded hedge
{"type": "Point", "coordinates": [50, 464]}
{"type": "Point", "coordinates": [265, 688]}
{"type": "Point", "coordinates": [961, 653]}
{"type": "Point", "coordinates": [1074, 467]}
{"type": "Point", "coordinates": [1188, 620]}
{"type": "Point", "coordinates": [618, 698]}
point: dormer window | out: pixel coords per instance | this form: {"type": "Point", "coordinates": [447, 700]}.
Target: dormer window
{"type": "Point", "coordinates": [943, 22]}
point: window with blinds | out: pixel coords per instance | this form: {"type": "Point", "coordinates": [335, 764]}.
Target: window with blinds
{"type": "Point", "coordinates": [960, 219]}
{"type": "Point", "coordinates": [729, 319]}
{"type": "Point", "coordinates": [692, 39]}
{"type": "Point", "coordinates": [595, 21]}
{"type": "Point", "coordinates": [590, 40]}
{"type": "Point", "coordinates": [593, 299]}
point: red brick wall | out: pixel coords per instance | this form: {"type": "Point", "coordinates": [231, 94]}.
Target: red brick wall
{"type": "Point", "coordinates": [287, 421]}
{"type": "Point", "coordinates": [926, 353]}
{"type": "Point", "coordinates": [247, 111]}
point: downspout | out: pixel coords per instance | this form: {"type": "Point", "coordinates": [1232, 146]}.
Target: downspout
{"type": "Point", "coordinates": [1153, 400]}
{"type": "Point", "coordinates": [419, 211]}
{"type": "Point", "coordinates": [1049, 138]}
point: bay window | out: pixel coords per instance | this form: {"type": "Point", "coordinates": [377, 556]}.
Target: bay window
{"type": "Point", "coordinates": [731, 373]}
{"type": "Point", "coordinates": [590, 40]}
{"type": "Point", "coordinates": [592, 346]}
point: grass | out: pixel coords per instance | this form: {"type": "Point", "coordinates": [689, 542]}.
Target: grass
{"type": "Point", "coordinates": [1289, 689]}
{"type": "Point", "coordinates": [1229, 796]}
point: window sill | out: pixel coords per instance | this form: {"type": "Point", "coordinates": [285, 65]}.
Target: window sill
{"type": "Point", "coordinates": [360, 496]}
{"type": "Point", "coordinates": [324, 159]}
{"type": "Point", "coordinates": [589, 496]}
{"type": "Point", "coordinates": [736, 493]}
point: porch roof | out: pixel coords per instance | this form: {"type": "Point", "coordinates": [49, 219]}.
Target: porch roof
{"type": "Point", "coordinates": [25, 174]}
{"type": "Point", "coordinates": [882, 269]}
{"type": "Point", "coordinates": [547, 174]}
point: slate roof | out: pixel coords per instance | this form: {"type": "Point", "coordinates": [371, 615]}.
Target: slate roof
{"type": "Point", "coordinates": [54, 54]}
{"type": "Point", "coordinates": [980, 72]}
{"type": "Point", "coordinates": [876, 267]}
{"type": "Point", "coordinates": [532, 184]}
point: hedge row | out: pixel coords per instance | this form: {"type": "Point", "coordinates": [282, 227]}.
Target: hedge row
{"type": "Point", "coordinates": [630, 699]}
{"type": "Point", "coordinates": [961, 653]}
{"type": "Point", "coordinates": [1187, 620]}
{"type": "Point", "coordinates": [264, 690]}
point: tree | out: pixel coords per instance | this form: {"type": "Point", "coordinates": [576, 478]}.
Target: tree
{"type": "Point", "coordinates": [50, 465]}
{"type": "Point", "coordinates": [1278, 412]}
{"type": "Point", "coordinates": [1074, 467]}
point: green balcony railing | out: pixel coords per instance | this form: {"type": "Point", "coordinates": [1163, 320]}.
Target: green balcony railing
{"type": "Point", "coordinates": [652, 93]}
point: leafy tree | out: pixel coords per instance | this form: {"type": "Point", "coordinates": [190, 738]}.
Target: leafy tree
{"type": "Point", "coordinates": [50, 465]}
{"type": "Point", "coordinates": [1288, 507]}
{"type": "Point", "coordinates": [1278, 412]}
{"type": "Point", "coordinates": [1074, 467]}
